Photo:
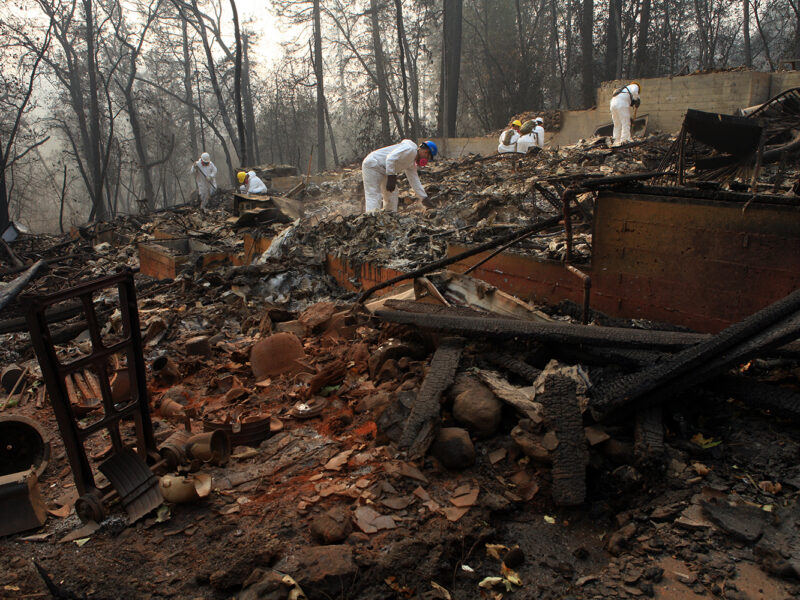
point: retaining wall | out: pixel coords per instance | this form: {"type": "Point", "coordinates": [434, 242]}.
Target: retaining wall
{"type": "Point", "coordinates": [664, 99]}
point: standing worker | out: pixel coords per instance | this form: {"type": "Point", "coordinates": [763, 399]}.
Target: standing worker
{"type": "Point", "coordinates": [509, 138]}
{"type": "Point", "coordinates": [621, 103]}
{"type": "Point", "coordinates": [380, 168]}
{"type": "Point", "coordinates": [539, 131]}
{"type": "Point", "coordinates": [251, 183]}
{"type": "Point", "coordinates": [205, 176]}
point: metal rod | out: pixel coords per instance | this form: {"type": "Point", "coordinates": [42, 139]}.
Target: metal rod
{"type": "Point", "coordinates": [587, 289]}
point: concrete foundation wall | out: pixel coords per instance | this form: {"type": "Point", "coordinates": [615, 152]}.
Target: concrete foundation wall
{"type": "Point", "coordinates": [665, 101]}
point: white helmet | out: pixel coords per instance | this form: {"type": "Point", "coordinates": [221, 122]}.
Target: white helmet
{"type": "Point", "coordinates": [205, 157]}
{"type": "Point", "coordinates": [540, 120]}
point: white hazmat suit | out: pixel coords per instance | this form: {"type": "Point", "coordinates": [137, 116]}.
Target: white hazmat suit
{"type": "Point", "coordinates": [534, 139]}
{"type": "Point", "coordinates": [391, 160]}
{"type": "Point", "coordinates": [254, 184]}
{"type": "Point", "coordinates": [205, 177]}
{"type": "Point", "coordinates": [512, 147]}
{"type": "Point", "coordinates": [621, 112]}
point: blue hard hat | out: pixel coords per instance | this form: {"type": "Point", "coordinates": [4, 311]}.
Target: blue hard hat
{"type": "Point", "coordinates": [432, 147]}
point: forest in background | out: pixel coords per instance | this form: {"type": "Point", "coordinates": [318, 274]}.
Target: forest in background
{"type": "Point", "coordinates": [105, 104]}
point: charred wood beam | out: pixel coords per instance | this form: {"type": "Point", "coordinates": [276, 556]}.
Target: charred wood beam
{"type": "Point", "coordinates": [425, 308]}
{"type": "Point", "coordinates": [617, 179]}
{"type": "Point", "coordinates": [781, 401]}
{"type": "Point", "coordinates": [774, 325]}
{"type": "Point", "coordinates": [53, 316]}
{"type": "Point", "coordinates": [438, 264]}
{"type": "Point", "coordinates": [421, 426]}
{"type": "Point", "coordinates": [563, 415]}
{"type": "Point", "coordinates": [564, 333]}
{"type": "Point", "coordinates": [649, 436]}
{"type": "Point", "coordinates": [514, 365]}
{"type": "Point", "coordinates": [49, 261]}
{"type": "Point", "coordinates": [11, 290]}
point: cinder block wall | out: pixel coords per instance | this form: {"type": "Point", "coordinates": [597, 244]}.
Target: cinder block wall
{"type": "Point", "coordinates": [666, 99]}
{"type": "Point", "coordinates": [783, 80]}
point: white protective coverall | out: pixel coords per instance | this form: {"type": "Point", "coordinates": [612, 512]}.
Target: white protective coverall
{"type": "Point", "coordinates": [534, 139]}
{"type": "Point", "coordinates": [391, 160]}
{"type": "Point", "coordinates": [621, 112]}
{"type": "Point", "coordinates": [254, 184]}
{"type": "Point", "coordinates": [206, 178]}
{"type": "Point", "coordinates": [512, 147]}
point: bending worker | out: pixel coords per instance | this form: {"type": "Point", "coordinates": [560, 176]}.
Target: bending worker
{"type": "Point", "coordinates": [205, 176]}
{"type": "Point", "coordinates": [250, 183]}
{"type": "Point", "coordinates": [380, 168]}
{"type": "Point", "coordinates": [621, 103]}
{"type": "Point", "coordinates": [534, 139]}
{"type": "Point", "coordinates": [509, 138]}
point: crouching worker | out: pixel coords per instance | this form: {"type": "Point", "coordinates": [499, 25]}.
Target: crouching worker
{"type": "Point", "coordinates": [381, 167]}
{"type": "Point", "coordinates": [250, 183]}
{"type": "Point", "coordinates": [509, 138]}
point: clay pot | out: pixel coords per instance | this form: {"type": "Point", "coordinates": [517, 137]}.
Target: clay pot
{"type": "Point", "coordinates": [275, 355]}
{"type": "Point", "coordinates": [211, 446]}
{"type": "Point", "coordinates": [173, 450]}
{"type": "Point", "coordinates": [177, 489]}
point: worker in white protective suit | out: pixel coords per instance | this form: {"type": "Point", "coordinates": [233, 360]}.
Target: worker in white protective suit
{"type": "Point", "coordinates": [381, 167]}
{"type": "Point", "coordinates": [509, 138]}
{"type": "Point", "coordinates": [205, 176]}
{"type": "Point", "coordinates": [621, 102]}
{"type": "Point", "coordinates": [534, 139]}
{"type": "Point", "coordinates": [251, 183]}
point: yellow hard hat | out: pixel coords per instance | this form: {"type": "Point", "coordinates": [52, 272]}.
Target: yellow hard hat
{"type": "Point", "coordinates": [517, 123]}
{"type": "Point", "coordinates": [241, 176]}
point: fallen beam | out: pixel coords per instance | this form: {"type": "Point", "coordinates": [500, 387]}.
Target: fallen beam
{"type": "Point", "coordinates": [694, 364]}
{"type": "Point", "coordinates": [563, 333]}
{"type": "Point", "coordinates": [11, 290]}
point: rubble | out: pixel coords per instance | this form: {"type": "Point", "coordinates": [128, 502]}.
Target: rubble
{"type": "Point", "coordinates": [368, 450]}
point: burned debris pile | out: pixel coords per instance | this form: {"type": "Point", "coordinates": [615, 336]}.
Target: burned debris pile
{"type": "Point", "coordinates": [241, 419]}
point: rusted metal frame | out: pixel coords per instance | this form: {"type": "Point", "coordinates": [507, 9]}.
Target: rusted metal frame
{"type": "Point", "coordinates": [567, 197]}
{"type": "Point", "coordinates": [57, 375]}
{"type": "Point", "coordinates": [549, 196]}
{"type": "Point", "coordinates": [499, 250]}
{"type": "Point", "coordinates": [59, 399]}
{"type": "Point", "coordinates": [587, 290]}
{"type": "Point", "coordinates": [131, 327]}
{"type": "Point", "coordinates": [791, 91]}
{"type": "Point", "coordinates": [438, 264]}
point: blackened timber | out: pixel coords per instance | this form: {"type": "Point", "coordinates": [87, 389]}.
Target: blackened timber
{"type": "Point", "coordinates": [649, 436]}
{"type": "Point", "coordinates": [11, 290]}
{"type": "Point", "coordinates": [564, 333]}
{"type": "Point", "coordinates": [711, 354]}
{"type": "Point", "coordinates": [514, 365]}
{"type": "Point", "coordinates": [779, 400]}
{"type": "Point", "coordinates": [421, 426]}
{"type": "Point", "coordinates": [563, 415]}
